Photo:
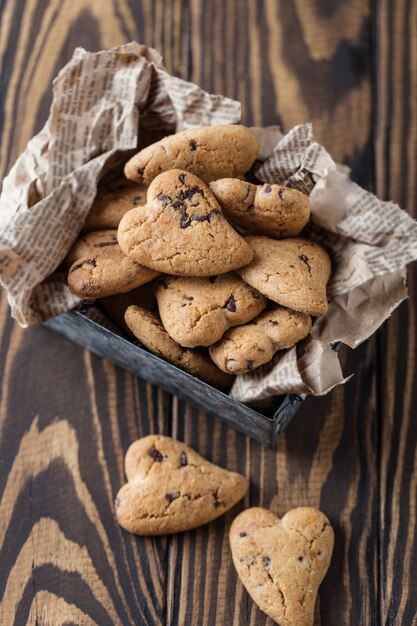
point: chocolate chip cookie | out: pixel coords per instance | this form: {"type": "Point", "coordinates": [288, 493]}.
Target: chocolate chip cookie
{"type": "Point", "coordinates": [171, 488]}
{"type": "Point", "coordinates": [263, 209]}
{"type": "Point", "coordinates": [98, 267]}
{"type": "Point", "coordinates": [246, 347]}
{"type": "Point", "coordinates": [282, 562]}
{"type": "Point", "coordinates": [182, 230]}
{"type": "Point", "coordinates": [291, 272]}
{"type": "Point", "coordinates": [210, 152]}
{"type": "Point", "coordinates": [198, 311]}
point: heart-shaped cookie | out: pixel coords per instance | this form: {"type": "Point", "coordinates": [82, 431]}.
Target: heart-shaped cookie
{"type": "Point", "coordinates": [171, 488]}
{"type": "Point", "coordinates": [282, 562]}
{"type": "Point", "coordinates": [291, 272]}
{"type": "Point", "coordinates": [182, 230]}
{"type": "Point", "coordinates": [246, 347]}
{"type": "Point", "coordinates": [210, 152]}
{"type": "Point", "coordinates": [98, 268]}
{"type": "Point", "coordinates": [263, 209]}
{"type": "Point", "coordinates": [198, 311]}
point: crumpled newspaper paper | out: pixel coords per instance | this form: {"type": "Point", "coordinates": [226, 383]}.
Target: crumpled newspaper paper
{"type": "Point", "coordinates": [107, 103]}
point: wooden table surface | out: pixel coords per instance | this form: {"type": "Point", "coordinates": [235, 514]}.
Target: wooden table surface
{"type": "Point", "coordinates": [67, 418]}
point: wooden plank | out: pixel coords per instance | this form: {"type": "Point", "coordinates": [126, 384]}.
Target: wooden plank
{"type": "Point", "coordinates": [395, 60]}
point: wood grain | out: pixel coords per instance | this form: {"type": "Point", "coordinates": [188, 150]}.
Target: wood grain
{"type": "Point", "coordinates": [66, 417]}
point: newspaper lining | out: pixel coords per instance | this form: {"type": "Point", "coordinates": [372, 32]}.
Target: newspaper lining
{"type": "Point", "coordinates": [104, 104]}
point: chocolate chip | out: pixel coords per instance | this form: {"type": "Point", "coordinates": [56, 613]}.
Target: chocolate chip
{"type": "Point", "coordinates": [305, 259]}
{"type": "Point", "coordinates": [318, 553]}
{"type": "Point", "coordinates": [188, 194]}
{"type": "Point", "coordinates": [193, 144]}
{"type": "Point", "coordinates": [267, 189]}
{"type": "Point", "coordinates": [140, 171]}
{"type": "Point", "coordinates": [187, 221]}
{"type": "Point", "coordinates": [92, 262]}
{"type": "Point", "coordinates": [281, 192]}
{"type": "Point", "coordinates": [187, 300]}
{"type": "Point", "coordinates": [250, 364]}
{"type": "Point", "coordinates": [171, 496]}
{"type": "Point", "coordinates": [178, 205]}
{"type": "Point", "coordinates": [266, 562]}
{"type": "Point", "coordinates": [231, 305]}
{"type": "Point", "coordinates": [137, 200]}
{"type": "Point", "coordinates": [273, 322]}
{"type": "Point", "coordinates": [183, 459]}
{"type": "Point", "coordinates": [243, 534]}
{"type": "Point", "coordinates": [181, 178]}
{"type": "Point", "coordinates": [300, 558]}
{"type": "Point", "coordinates": [103, 244]}
{"type": "Point", "coordinates": [203, 218]}
{"type": "Point", "coordinates": [156, 455]}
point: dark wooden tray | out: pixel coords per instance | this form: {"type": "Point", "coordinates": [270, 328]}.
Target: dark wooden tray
{"type": "Point", "coordinates": [264, 427]}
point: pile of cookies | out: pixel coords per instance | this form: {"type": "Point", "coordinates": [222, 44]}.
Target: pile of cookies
{"type": "Point", "coordinates": [281, 562]}
{"type": "Point", "coordinates": [232, 280]}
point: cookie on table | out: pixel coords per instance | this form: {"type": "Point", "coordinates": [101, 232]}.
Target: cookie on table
{"type": "Point", "coordinates": [198, 311]}
{"type": "Point", "coordinates": [147, 327]}
{"type": "Point", "coordinates": [112, 202]}
{"type": "Point", "coordinates": [181, 230]}
{"type": "Point", "coordinates": [98, 267]}
{"type": "Point", "coordinates": [291, 272]}
{"type": "Point", "coordinates": [246, 347]}
{"type": "Point", "coordinates": [171, 488]}
{"type": "Point", "coordinates": [282, 562]}
{"type": "Point", "coordinates": [210, 152]}
{"type": "Point", "coordinates": [263, 209]}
